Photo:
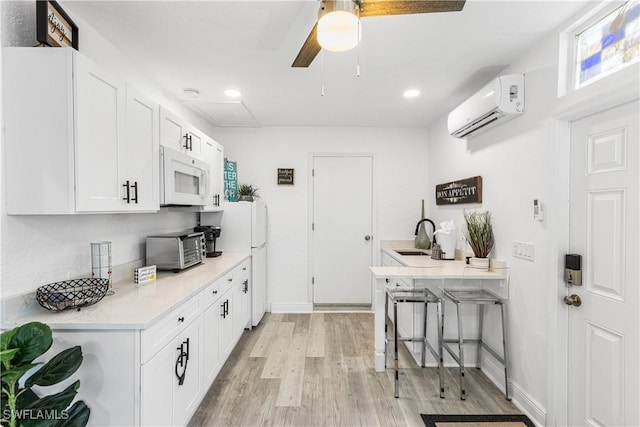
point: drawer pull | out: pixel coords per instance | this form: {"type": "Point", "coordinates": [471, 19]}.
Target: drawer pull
{"type": "Point", "coordinates": [180, 319]}
{"type": "Point", "coordinates": [244, 268]}
{"type": "Point", "coordinates": [215, 291]}
{"type": "Point", "coordinates": [230, 279]}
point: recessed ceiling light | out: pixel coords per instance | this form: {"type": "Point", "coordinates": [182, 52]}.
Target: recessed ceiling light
{"type": "Point", "coordinates": [191, 93]}
{"type": "Point", "coordinates": [233, 93]}
{"type": "Point", "coordinates": [411, 93]}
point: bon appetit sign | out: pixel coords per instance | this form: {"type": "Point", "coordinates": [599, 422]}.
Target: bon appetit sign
{"type": "Point", "coordinates": [467, 190]}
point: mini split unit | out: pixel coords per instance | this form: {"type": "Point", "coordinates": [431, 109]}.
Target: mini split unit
{"type": "Point", "coordinates": [499, 101]}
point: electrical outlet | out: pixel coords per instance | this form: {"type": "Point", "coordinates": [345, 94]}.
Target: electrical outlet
{"type": "Point", "coordinates": [523, 250]}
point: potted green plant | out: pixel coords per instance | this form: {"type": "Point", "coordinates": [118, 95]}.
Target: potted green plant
{"type": "Point", "coordinates": [479, 235]}
{"type": "Point", "coordinates": [21, 405]}
{"type": "Point", "coordinates": [247, 193]}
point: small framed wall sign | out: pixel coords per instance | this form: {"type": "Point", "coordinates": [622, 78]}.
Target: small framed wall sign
{"type": "Point", "coordinates": [53, 25]}
{"type": "Point", "coordinates": [285, 176]}
{"type": "Point", "coordinates": [468, 190]}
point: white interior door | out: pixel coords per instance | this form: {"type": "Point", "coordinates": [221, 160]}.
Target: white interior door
{"type": "Point", "coordinates": [342, 229]}
{"type": "Point", "coordinates": [604, 331]}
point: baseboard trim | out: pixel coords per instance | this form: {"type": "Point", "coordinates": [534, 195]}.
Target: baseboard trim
{"type": "Point", "coordinates": [291, 308]}
{"type": "Point", "coordinates": [523, 400]}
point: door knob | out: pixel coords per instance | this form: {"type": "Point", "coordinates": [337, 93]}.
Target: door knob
{"type": "Point", "coordinates": [573, 300]}
{"type": "Point", "coordinates": [367, 237]}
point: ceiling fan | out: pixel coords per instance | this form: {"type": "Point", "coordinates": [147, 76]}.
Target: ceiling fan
{"type": "Point", "coordinates": [352, 10]}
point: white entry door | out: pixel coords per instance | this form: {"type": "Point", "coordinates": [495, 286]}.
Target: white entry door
{"type": "Point", "coordinates": [604, 331]}
{"type": "Point", "coordinates": [342, 229]}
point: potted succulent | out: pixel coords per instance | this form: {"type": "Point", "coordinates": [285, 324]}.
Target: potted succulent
{"type": "Point", "coordinates": [479, 235]}
{"type": "Point", "coordinates": [247, 193]}
{"type": "Point", "coordinates": [21, 405]}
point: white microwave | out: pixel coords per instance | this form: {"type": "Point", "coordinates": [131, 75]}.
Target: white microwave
{"type": "Point", "coordinates": [183, 179]}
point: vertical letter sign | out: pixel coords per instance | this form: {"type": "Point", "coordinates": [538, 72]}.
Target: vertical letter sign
{"type": "Point", "coordinates": [230, 181]}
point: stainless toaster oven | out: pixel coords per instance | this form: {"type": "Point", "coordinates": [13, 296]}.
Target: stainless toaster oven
{"type": "Point", "coordinates": [176, 251]}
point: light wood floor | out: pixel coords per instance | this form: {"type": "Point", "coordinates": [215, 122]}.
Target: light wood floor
{"type": "Point", "coordinates": [317, 370]}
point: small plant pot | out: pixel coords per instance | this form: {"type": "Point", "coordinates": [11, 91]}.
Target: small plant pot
{"type": "Point", "coordinates": [245, 199]}
{"type": "Point", "coordinates": [479, 263]}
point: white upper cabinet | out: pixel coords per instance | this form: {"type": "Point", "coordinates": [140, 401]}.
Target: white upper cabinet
{"type": "Point", "coordinates": [99, 114]}
{"type": "Point", "coordinates": [218, 174]}
{"type": "Point", "coordinates": [194, 142]}
{"type": "Point", "coordinates": [141, 152]}
{"type": "Point", "coordinates": [68, 147]}
{"type": "Point", "coordinates": [213, 154]}
{"type": "Point", "coordinates": [173, 131]}
{"type": "Point", "coordinates": [178, 134]}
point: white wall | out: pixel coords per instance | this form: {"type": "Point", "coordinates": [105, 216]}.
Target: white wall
{"type": "Point", "coordinates": [516, 162]}
{"type": "Point", "coordinates": [401, 156]}
{"type": "Point", "coordinates": [36, 250]}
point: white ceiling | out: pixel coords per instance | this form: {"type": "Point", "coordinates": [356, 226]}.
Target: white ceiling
{"type": "Point", "coordinates": [250, 45]}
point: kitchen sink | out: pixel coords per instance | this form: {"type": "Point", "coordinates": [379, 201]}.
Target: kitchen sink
{"type": "Point", "coordinates": [410, 252]}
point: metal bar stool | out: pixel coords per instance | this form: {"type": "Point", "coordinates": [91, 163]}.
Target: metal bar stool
{"type": "Point", "coordinates": [480, 297]}
{"type": "Point", "coordinates": [414, 296]}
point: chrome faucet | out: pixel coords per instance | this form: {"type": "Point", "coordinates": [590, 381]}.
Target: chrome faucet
{"type": "Point", "coordinates": [432, 225]}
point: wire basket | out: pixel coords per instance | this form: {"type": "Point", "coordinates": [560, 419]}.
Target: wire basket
{"type": "Point", "coordinates": [72, 293]}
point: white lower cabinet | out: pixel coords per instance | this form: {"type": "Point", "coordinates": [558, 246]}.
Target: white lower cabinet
{"type": "Point", "coordinates": [196, 353]}
{"type": "Point", "coordinates": [158, 376]}
{"type": "Point", "coordinates": [225, 330]}
{"type": "Point", "coordinates": [156, 408]}
{"type": "Point", "coordinates": [187, 385]}
{"type": "Point", "coordinates": [172, 380]}
{"type": "Point", "coordinates": [211, 352]}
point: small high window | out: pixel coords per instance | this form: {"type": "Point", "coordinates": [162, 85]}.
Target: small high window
{"type": "Point", "coordinates": [608, 45]}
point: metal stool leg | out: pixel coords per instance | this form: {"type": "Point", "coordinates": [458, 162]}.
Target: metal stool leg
{"type": "Point", "coordinates": [395, 347]}
{"type": "Point", "coordinates": [463, 392]}
{"type": "Point", "coordinates": [386, 325]}
{"type": "Point", "coordinates": [440, 322]}
{"type": "Point", "coordinates": [480, 325]}
{"type": "Point", "coordinates": [424, 337]}
{"type": "Point", "coordinates": [503, 314]}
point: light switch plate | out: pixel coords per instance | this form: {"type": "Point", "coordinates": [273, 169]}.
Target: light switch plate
{"type": "Point", "coordinates": [523, 250]}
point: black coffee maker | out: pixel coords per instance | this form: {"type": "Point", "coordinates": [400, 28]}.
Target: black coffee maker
{"type": "Point", "coordinates": [211, 233]}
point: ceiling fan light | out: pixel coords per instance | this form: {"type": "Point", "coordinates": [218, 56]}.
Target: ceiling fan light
{"type": "Point", "coordinates": [339, 31]}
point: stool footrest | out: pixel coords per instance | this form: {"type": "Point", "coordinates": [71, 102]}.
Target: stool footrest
{"type": "Point", "coordinates": [491, 351]}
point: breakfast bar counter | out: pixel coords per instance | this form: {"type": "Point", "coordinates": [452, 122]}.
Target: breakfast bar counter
{"type": "Point", "coordinates": [418, 271]}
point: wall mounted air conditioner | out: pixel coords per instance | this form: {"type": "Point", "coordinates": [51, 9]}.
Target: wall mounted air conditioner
{"type": "Point", "coordinates": [499, 101]}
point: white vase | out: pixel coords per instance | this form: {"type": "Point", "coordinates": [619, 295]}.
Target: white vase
{"type": "Point", "coordinates": [479, 263]}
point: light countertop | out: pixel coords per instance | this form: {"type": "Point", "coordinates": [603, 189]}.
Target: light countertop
{"type": "Point", "coordinates": [423, 267]}
{"type": "Point", "coordinates": [137, 306]}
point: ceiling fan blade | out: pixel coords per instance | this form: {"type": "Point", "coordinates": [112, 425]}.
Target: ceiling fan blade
{"type": "Point", "coordinates": [309, 49]}
{"type": "Point", "coordinates": [370, 8]}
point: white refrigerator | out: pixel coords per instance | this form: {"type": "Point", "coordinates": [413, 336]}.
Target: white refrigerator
{"type": "Point", "coordinates": [244, 229]}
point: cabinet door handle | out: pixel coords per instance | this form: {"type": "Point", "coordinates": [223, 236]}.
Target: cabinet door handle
{"type": "Point", "coordinates": [182, 361]}
{"type": "Point", "coordinates": [127, 198]}
{"type": "Point", "coordinates": [135, 192]}
{"type": "Point", "coordinates": [226, 308]}
{"type": "Point", "coordinates": [223, 311]}
{"type": "Point", "coordinates": [186, 141]}
{"type": "Point", "coordinates": [245, 289]}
